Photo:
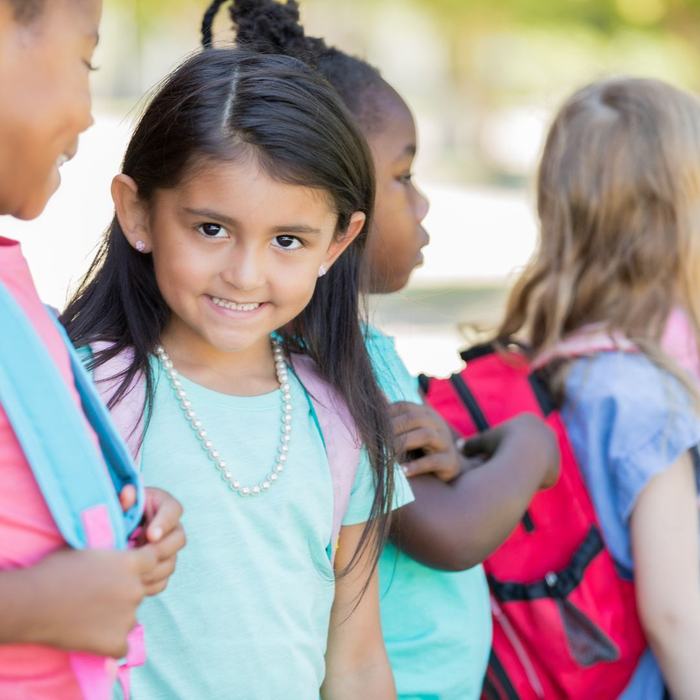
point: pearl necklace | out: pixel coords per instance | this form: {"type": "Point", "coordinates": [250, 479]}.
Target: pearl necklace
{"type": "Point", "coordinates": [201, 433]}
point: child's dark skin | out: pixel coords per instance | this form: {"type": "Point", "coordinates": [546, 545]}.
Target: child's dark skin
{"type": "Point", "coordinates": [461, 514]}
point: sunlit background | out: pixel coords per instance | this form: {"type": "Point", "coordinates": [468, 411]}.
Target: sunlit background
{"type": "Point", "coordinates": [482, 76]}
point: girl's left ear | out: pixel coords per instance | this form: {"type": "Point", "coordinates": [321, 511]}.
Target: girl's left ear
{"type": "Point", "coordinates": [336, 248]}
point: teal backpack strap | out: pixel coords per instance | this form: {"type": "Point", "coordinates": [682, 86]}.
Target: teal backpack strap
{"type": "Point", "coordinates": [340, 437]}
{"type": "Point", "coordinates": [115, 450]}
{"type": "Point", "coordinates": [79, 491]}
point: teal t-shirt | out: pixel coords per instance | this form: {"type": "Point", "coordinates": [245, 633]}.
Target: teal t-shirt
{"type": "Point", "coordinates": [437, 625]}
{"type": "Point", "coordinates": [247, 612]}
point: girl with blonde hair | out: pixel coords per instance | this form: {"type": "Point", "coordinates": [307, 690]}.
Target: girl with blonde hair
{"type": "Point", "coordinates": [617, 270]}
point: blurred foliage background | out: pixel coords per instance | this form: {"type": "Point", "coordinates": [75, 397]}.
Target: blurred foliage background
{"type": "Point", "coordinates": [482, 75]}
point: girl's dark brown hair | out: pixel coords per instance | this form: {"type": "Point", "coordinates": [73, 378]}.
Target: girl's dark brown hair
{"type": "Point", "coordinates": [223, 105]}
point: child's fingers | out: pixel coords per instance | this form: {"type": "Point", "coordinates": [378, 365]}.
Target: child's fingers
{"type": "Point", "coordinates": [411, 416]}
{"type": "Point", "coordinates": [166, 514]}
{"type": "Point", "coordinates": [171, 544]}
{"type": "Point", "coordinates": [430, 464]}
{"type": "Point", "coordinates": [155, 580]}
{"type": "Point", "coordinates": [145, 558]}
{"type": "Point", "coordinates": [420, 438]}
{"type": "Point", "coordinates": [483, 444]}
{"type": "Point", "coordinates": [127, 497]}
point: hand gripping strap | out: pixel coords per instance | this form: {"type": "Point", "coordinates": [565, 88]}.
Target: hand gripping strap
{"type": "Point", "coordinates": [340, 436]}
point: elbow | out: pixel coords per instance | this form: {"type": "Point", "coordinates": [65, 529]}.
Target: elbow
{"type": "Point", "coordinates": [664, 625]}
{"type": "Point", "coordinates": [461, 561]}
{"type": "Point", "coordinates": [444, 555]}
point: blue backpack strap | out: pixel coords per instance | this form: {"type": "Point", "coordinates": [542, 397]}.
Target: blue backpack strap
{"type": "Point", "coordinates": [114, 450]}
{"type": "Point", "coordinates": [50, 428]}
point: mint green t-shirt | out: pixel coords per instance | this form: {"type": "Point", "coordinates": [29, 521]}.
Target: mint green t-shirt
{"type": "Point", "coordinates": [247, 612]}
{"type": "Point", "coordinates": [436, 624]}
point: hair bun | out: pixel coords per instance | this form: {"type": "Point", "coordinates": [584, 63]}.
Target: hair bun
{"type": "Point", "coordinates": [267, 26]}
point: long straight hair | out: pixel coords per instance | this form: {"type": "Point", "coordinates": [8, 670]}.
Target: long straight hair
{"type": "Point", "coordinates": [618, 199]}
{"type": "Point", "coordinates": [224, 104]}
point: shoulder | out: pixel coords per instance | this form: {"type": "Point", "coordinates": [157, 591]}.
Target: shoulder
{"type": "Point", "coordinates": [628, 387]}
{"type": "Point", "coordinates": [629, 418]}
{"type": "Point", "coordinates": [392, 376]}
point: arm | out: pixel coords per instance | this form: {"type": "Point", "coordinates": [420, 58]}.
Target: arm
{"type": "Point", "coordinates": [454, 525]}
{"type": "Point", "coordinates": [356, 662]}
{"type": "Point", "coordinates": [664, 531]}
{"type": "Point", "coordinates": [76, 600]}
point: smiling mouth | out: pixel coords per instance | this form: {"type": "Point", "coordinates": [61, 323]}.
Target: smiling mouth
{"type": "Point", "coordinates": [225, 304]}
{"type": "Point", "coordinates": [64, 158]}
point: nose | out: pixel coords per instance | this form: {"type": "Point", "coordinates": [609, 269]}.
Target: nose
{"type": "Point", "coordinates": [422, 206]}
{"type": "Point", "coordinates": [244, 270]}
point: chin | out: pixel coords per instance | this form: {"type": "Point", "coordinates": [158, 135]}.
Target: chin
{"type": "Point", "coordinates": [33, 206]}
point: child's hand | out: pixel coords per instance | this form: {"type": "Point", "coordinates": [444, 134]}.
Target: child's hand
{"type": "Point", "coordinates": [527, 434]}
{"type": "Point", "coordinates": [165, 534]}
{"type": "Point", "coordinates": [86, 600]}
{"type": "Point", "coordinates": [419, 427]}
{"type": "Point", "coordinates": [162, 515]}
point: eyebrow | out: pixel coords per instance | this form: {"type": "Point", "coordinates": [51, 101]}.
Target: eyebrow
{"type": "Point", "coordinates": [215, 216]}
{"type": "Point", "coordinates": [299, 228]}
{"type": "Point", "coordinates": [409, 150]}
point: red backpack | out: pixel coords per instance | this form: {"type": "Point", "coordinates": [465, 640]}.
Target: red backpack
{"type": "Point", "coordinates": [565, 623]}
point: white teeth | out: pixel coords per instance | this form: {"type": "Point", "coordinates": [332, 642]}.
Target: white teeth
{"type": "Point", "coordinates": [61, 160]}
{"type": "Point", "coordinates": [233, 306]}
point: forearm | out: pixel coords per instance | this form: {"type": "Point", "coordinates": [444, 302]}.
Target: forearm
{"type": "Point", "coordinates": [24, 607]}
{"type": "Point", "coordinates": [454, 526]}
{"type": "Point", "coordinates": [675, 640]}
{"type": "Point", "coordinates": [370, 678]}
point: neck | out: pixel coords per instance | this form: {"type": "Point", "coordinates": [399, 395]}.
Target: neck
{"type": "Point", "coordinates": [247, 372]}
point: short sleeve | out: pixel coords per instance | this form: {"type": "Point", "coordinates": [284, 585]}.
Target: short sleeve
{"type": "Point", "coordinates": [628, 421]}
{"type": "Point", "coordinates": [391, 373]}
{"type": "Point", "coordinates": [362, 494]}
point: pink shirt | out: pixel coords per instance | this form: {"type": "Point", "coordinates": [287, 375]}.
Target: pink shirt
{"type": "Point", "coordinates": [27, 530]}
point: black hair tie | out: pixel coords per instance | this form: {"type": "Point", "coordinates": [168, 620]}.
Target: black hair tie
{"type": "Point", "coordinates": [208, 21]}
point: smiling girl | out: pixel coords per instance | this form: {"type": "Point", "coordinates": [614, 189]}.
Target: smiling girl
{"type": "Point", "coordinates": [234, 260]}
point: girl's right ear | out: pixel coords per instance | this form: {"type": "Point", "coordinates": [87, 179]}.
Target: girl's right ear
{"type": "Point", "coordinates": [131, 213]}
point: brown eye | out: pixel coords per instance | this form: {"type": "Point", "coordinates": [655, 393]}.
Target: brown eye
{"type": "Point", "coordinates": [287, 242]}
{"type": "Point", "coordinates": [212, 230]}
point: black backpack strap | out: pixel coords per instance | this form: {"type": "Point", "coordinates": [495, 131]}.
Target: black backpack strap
{"type": "Point", "coordinates": [470, 402]}
{"type": "Point", "coordinates": [479, 419]}
{"type": "Point", "coordinates": [424, 383]}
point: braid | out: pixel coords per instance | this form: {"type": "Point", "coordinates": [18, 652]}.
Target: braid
{"type": "Point", "coordinates": [266, 26]}
{"type": "Point", "coordinates": [208, 21]}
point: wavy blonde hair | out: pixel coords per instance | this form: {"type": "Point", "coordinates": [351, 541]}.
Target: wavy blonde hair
{"type": "Point", "coordinates": [618, 199]}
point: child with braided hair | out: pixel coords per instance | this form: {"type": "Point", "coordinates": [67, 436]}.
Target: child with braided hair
{"type": "Point", "coordinates": [435, 609]}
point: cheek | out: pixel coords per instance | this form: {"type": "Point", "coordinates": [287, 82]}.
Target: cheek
{"type": "Point", "coordinates": [179, 270]}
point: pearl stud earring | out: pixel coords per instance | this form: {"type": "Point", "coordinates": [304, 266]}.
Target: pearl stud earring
{"type": "Point", "coordinates": [322, 270]}
{"type": "Point", "coordinates": [140, 246]}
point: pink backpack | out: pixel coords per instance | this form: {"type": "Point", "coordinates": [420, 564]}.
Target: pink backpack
{"type": "Point", "coordinates": [338, 429]}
